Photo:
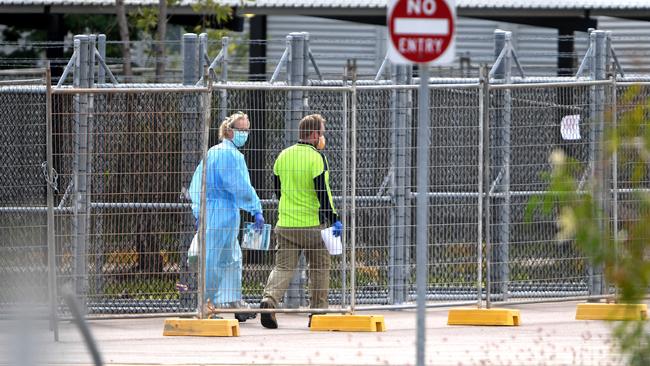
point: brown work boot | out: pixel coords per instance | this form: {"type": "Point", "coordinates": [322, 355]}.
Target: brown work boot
{"type": "Point", "coordinates": [268, 319]}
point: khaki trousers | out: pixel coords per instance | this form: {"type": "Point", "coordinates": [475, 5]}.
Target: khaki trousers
{"type": "Point", "coordinates": [290, 242]}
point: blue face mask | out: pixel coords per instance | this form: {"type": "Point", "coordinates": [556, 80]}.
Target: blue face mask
{"type": "Point", "coordinates": [239, 138]}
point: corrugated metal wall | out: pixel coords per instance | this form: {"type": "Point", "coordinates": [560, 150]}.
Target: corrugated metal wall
{"type": "Point", "coordinates": [631, 42]}
{"type": "Point", "coordinates": [334, 41]}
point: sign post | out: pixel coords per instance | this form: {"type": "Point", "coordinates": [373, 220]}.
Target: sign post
{"type": "Point", "coordinates": [422, 32]}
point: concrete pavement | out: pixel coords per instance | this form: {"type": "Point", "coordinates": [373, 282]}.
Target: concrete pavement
{"type": "Point", "coordinates": [548, 335]}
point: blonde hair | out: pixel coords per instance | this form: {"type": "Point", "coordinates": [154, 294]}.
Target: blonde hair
{"type": "Point", "coordinates": [226, 125]}
{"type": "Point", "coordinates": [310, 124]}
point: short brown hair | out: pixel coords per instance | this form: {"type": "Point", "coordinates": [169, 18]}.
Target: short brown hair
{"type": "Point", "coordinates": [309, 124]}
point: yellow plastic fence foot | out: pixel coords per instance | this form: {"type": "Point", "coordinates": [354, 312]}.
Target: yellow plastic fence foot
{"type": "Point", "coordinates": [348, 323]}
{"type": "Point", "coordinates": [602, 311]}
{"type": "Point", "coordinates": [201, 327]}
{"type": "Point", "coordinates": [471, 316]}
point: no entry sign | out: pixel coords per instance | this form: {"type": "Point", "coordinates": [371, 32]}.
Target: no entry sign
{"type": "Point", "coordinates": [421, 31]}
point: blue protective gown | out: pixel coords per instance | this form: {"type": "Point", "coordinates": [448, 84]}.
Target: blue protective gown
{"type": "Point", "coordinates": [228, 189]}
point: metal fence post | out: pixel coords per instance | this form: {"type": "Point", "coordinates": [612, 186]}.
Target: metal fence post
{"type": "Point", "coordinates": [101, 47]}
{"type": "Point", "coordinates": [503, 114]}
{"type": "Point", "coordinates": [223, 94]}
{"type": "Point", "coordinates": [296, 76]}
{"type": "Point", "coordinates": [100, 163]}
{"type": "Point", "coordinates": [598, 41]}
{"type": "Point", "coordinates": [79, 168]}
{"type": "Point", "coordinates": [400, 104]}
{"type": "Point", "coordinates": [92, 44]}
{"type": "Point", "coordinates": [95, 249]}
{"type": "Point", "coordinates": [203, 51]}
{"type": "Point", "coordinates": [190, 65]}
{"type": "Point", "coordinates": [190, 141]}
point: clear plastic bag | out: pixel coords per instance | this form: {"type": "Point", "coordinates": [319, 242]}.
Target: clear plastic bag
{"type": "Point", "coordinates": [256, 240]}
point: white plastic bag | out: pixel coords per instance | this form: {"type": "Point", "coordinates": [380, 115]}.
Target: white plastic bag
{"type": "Point", "coordinates": [193, 252]}
{"type": "Point", "coordinates": [333, 243]}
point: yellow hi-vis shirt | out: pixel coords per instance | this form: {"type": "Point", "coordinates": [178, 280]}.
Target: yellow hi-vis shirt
{"type": "Point", "coordinates": [300, 168]}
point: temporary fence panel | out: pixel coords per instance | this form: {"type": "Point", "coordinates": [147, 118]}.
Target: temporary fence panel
{"type": "Point", "coordinates": [23, 205]}
{"type": "Point", "coordinates": [453, 203]}
{"type": "Point", "coordinates": [266, 110]}
{"type": "Point", "coordinates": [526, 125]}
{"type": "Point", "coordinates": [134, 254]}
{"type": "Point", "coordinates": [273, 128]}
{"type": "Point", "coordinates": [630, 178]}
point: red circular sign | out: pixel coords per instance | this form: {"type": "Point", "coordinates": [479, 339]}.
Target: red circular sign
{"type": "Point", "coordinates": [421, 30]}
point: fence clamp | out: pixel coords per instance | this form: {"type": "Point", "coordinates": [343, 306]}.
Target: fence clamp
{"type": "Point", "coordinates": [53, 180]}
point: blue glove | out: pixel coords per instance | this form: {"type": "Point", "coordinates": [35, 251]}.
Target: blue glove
{"type": "Point", "coordinates": [337, 228]}
{"type": "Point", "coordinates": [196, 225]}
{"type": "Point", "coordinates": [259, 222]}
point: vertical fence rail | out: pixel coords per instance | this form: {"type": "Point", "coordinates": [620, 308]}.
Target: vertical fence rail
{"type": "Point", "coordinates": [501, 175]}
{"type": "Point", "coordinates": [483, 157]}
{"type": "Point", "coordinates": [353, 184]}
{"type": "Point", "coordinates": [347, 142]}
{"type": "Point", "coordinates": [399, 256]}
{"type": "Point", "coordinates": [51, 239]}
{"type": "Point", "coordinates": [597, 119]}
{"type": "Point", "coordinates": [614, 172]}
{"type": "Point", "coordinates": [189, 159]}
{"type": "Point", "coordinates": [202, 230]}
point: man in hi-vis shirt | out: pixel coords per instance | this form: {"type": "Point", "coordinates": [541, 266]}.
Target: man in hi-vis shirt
{"type": "Point", "coordinates": [306, 207]}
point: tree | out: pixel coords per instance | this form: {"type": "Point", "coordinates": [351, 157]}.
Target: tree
{"type": "Point", "coordinates": [124, 38]}
{"type": "Point", "coordinates": [160, 38]}
{"type": "Point", "coordinates": [583, 214]}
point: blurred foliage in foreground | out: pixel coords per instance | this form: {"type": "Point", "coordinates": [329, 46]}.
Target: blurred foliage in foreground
{"type": "Point", "coordinates": [584, 213]}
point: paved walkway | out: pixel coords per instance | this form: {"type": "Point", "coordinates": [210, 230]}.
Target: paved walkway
{"type": "Point", "coordinates": [548, 335]}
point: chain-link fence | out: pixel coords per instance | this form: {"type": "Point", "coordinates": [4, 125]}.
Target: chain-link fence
{"type": "Point", "coordinates": [126, 153]}
{"type": "Point", "coordinates": [23, 221]}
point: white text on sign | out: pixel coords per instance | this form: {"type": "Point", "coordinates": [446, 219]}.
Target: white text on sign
{"type": "Point", "coordinates": [417, 7]}
{"type": "Point", "coordinates": [419, 45]}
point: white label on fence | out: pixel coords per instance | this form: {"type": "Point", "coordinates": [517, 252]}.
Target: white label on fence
{"type": "Point", "coordinates": [570, 127]}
